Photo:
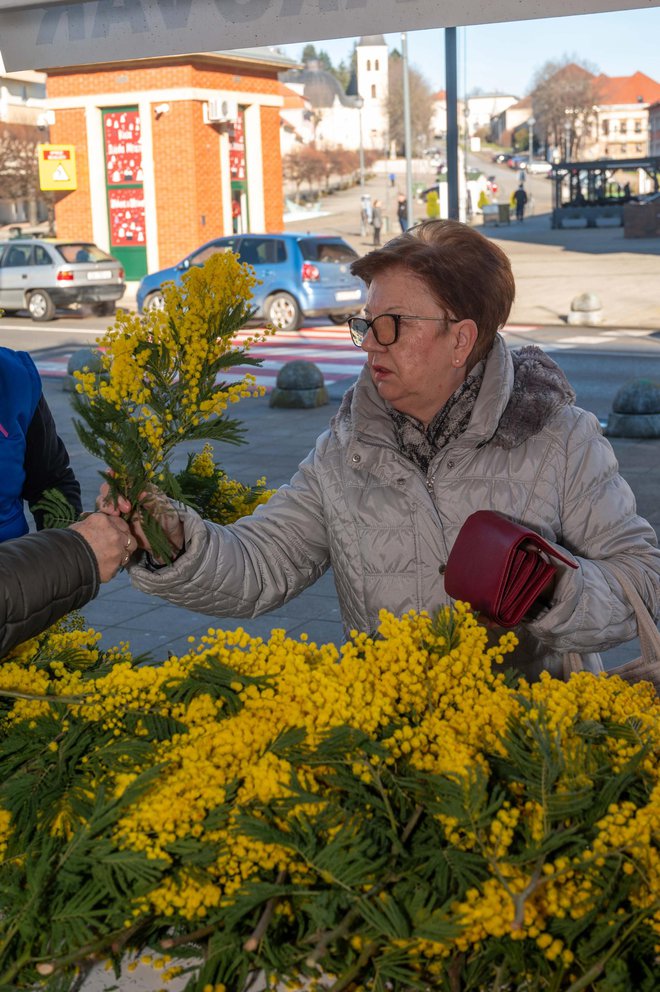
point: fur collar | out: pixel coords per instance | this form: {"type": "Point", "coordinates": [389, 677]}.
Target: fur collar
{"type": "Point", "coordinates": [540, 389]}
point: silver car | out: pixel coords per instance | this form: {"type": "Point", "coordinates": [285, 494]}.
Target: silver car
{"type": "Point", "coordinates": [41, 274]}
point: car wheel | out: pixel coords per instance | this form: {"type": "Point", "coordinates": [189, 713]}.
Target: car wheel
{"type": "Point", "coordinates": [339, 318]}
{"type": "Point", "coordinates": [281, 310]}
{"type": "Point", "coordinates": [40, 306]}
{"type": "Point", "coordinates": [154, 301]}
{"type": "Point", "coordinates": [105, 309]}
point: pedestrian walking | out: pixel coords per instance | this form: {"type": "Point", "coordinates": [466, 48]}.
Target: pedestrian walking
{"type": "Point", "coordinates": [377, 220]}
{"type": "Point", "coordinates": [366, 211]}
{"type": "Point", "coordinates": [402, 212]}
{"type": "Point", "coordinates": [520, 196]}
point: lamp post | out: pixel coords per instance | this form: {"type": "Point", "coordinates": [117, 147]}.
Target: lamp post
{"type": "Point", "coordinates": [567, 140]}
{"type": "Point", "coordinates": [359, 103]}
{"type": "Point", "coordinates": [530, 125]}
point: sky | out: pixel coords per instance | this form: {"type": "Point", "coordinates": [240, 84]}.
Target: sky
{"type": "Point", "coordinates": [504, 57]}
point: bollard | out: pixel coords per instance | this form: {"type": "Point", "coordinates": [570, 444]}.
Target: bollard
{"type": "Point", "coordinates": [635, 410]}
{"type": "Point", "coordinates": [299, 386]}
{"type": "Point", "coordinates": [82, 360]}
{"type": "Point", "coordinates": [585, 309]}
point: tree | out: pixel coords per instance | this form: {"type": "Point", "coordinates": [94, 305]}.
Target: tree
{"type": "Point", "coordinates": [312, 165]}
{"type": "Point", "coordinates": [19, 166]}
{"type": "Point", "coordinates": [345, 71]}
{"type": "Point", "coordinates": [292, 169]}
{"type": "Point", "coordinates": [564, 96]}
{"type": "Point", "coordinates": [421, 104]}
{"type": "Point", "coordinates": [311, 54]}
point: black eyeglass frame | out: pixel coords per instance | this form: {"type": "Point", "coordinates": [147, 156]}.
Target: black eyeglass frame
{"type": "Point", "coordinates": [396, 317]}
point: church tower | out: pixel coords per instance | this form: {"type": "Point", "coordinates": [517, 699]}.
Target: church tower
{"type": "Point", "coordinates": [372, 86]}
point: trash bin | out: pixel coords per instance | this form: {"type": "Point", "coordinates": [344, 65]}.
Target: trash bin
{"type": "Point", "coordinates": [503, 213]}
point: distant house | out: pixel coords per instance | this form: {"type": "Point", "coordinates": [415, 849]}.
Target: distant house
{"type": "Point", "coordinates": [654, 128]}
{"type": "Point", "coordinates": [622, 116]}
{"type": "Point", "coordinates": [504, 125]}
{"type": "Point", "coordinates": [296, 120]}
{"type": "Point", "coordinates": [482, 107]}
{"type": "Point", "coordinates": [439, 115]}
{"type": "Point", "coordinates": [478, 113]}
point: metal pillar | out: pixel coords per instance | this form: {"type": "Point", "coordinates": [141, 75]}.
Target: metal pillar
{"type": "Point", "coordinates": [407, 131]}
{"type": "Point", "coordinates": [451, 86]}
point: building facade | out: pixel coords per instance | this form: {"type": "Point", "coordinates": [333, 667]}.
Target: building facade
{"type": "Point", "coordinates": [170, 152]}
{"type": "Point", "coordinates": [23, 125]}
{"type": "Point", "coordinates": [654, 129]}
{"type": "Point", "coordinates": [621, 124]}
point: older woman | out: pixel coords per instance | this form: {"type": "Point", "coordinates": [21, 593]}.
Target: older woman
{"type": "Point", "coordinates": [443, 421]}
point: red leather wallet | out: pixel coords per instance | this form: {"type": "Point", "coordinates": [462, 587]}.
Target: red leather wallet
{"type": "Point", "coordinates": [498, 567]}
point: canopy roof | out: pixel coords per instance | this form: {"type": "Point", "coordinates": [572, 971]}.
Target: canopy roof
{"type": "Point", "coordinates": [53, 33]}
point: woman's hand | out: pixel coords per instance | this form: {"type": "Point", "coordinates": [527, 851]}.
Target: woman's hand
{"type": "Point", "coordinates": [158, 505]}
{"type": "Point", "coordinates": [110, 539]}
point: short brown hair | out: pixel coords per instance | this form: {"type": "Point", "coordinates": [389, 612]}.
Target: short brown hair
{"type": "Point", "coordinates": [464, 271]}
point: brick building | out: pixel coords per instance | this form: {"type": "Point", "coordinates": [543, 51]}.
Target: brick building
{"type": "Point", "coordinates": [170, 152]}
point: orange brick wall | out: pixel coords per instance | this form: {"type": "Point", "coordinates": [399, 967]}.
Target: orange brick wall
{"type": "Point", "coordinates": [272, 168]}
{"type": "Point", "coordinates": [73, 211]}
{"type": "Point", "coordinates": [186, 151]}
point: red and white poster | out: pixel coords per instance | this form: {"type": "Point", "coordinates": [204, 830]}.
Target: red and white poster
{"type": "Point", "coordinates": [126, 217]}
{"type": "Point", "coordinates": [237, 150]}
{"type": "Point", "coordinates": [123, 147]}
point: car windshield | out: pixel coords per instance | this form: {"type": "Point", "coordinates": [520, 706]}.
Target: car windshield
{"type": "Point", "coordinates": [83, 252]}
{"type": "Point", "coordinates": [315, 250]}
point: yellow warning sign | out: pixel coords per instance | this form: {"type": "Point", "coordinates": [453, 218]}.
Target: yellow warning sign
{"type": "Point", "coordinates": [57, 167]}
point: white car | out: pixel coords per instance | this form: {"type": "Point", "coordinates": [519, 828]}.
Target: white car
{"type": "Point", "coordinates": [41, 274]}
{"type": "Point", "coordinates": [538, 167]}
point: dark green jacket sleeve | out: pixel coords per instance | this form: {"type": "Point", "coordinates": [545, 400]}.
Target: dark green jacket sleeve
{"type": "Point", "coordinates": [42, 577]}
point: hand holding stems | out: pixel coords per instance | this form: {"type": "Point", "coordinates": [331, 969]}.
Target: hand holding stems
{"type": "Point", "coordinates": [156, 504]}
{"type": "Point", "coordinates": [110, 539]}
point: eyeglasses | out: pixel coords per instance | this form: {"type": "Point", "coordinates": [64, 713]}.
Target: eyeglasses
{"type": "Point", "coordinates": [385, 327]}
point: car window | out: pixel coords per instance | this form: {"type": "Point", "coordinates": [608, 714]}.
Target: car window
{"type": "Point", "coordinates": [199, 257]}
{"type": "Point", "coordinates": [17, 256]}
{"type": "Point", "coordinates": [262, 251]}
{"type": "Point", "coordinates": [315, 250]}
{"type": "Point", "coordinates": [82, 252]}
{"type": "Point", "coordinates": [40, 256]}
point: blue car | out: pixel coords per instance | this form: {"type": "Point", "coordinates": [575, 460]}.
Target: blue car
{"type": "Point", "coordinates": [300, 275]}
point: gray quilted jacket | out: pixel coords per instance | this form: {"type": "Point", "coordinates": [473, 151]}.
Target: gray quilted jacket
{"type": "Point", "coordinates": [358, 505]}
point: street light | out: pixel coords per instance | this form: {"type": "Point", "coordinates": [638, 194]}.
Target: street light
{"type": "Point", "coordinates": [567, 139]}
{"type": "Point", "coordinates": [530, 125]}
{"type": "Point", "coordinates": [359, 103]}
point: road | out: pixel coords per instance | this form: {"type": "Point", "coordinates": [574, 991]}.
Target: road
{"type": "Point", "coordinates": [597, 361]}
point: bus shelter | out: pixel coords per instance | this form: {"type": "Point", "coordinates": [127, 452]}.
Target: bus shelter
{"type": "Point", "coordinates": [591, 191]}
